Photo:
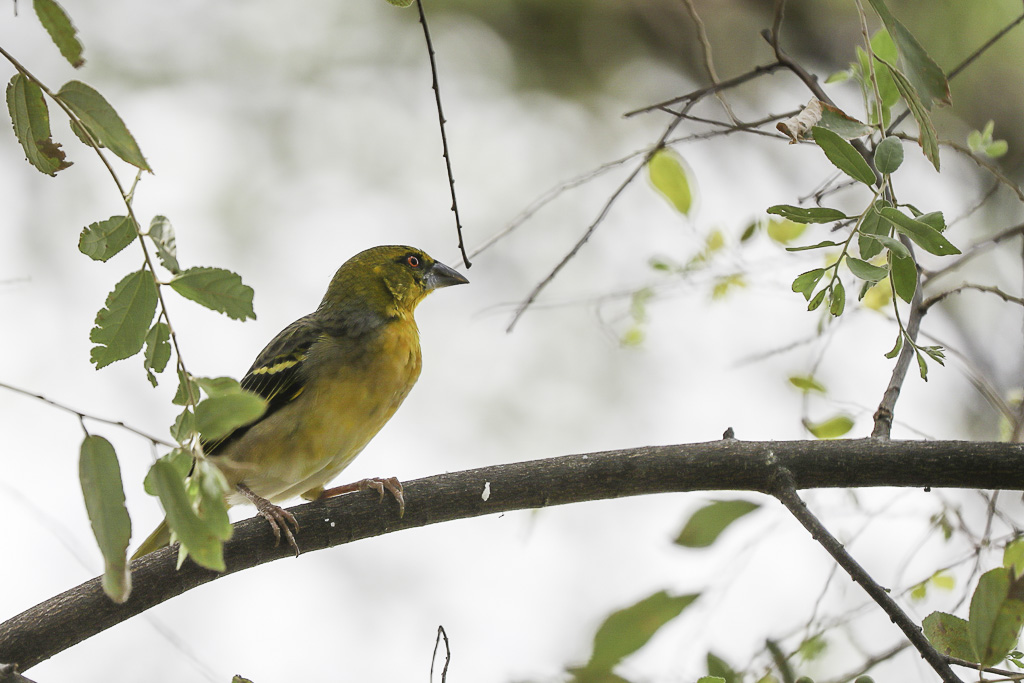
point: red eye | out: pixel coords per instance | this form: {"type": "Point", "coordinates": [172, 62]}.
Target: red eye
{"type": "Point", "coordinates": [412, 261]}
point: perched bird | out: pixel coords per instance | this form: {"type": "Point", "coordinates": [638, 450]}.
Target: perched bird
{"type": "Point", "coordinates": [331, 379]}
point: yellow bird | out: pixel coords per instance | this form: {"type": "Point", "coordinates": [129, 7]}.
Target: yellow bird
{"type": "Point", "coordinates": [332, 379]}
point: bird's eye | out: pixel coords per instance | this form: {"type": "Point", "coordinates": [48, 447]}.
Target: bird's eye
{"type": "Point", "coordinates": [412, 261]}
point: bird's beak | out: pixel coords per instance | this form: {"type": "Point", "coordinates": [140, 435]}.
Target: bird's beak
{"type": "Point", "coordinates": [441, 275]}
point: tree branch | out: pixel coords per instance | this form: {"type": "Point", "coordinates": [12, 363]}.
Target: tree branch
{"type": "Point", "coordinates": [69, 618]}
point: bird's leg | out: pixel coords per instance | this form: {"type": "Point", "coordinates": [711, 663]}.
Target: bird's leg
{"type": "Point", "coordinates": [278, 518]}
{"type": "Point", "coordinates": [391, 484]}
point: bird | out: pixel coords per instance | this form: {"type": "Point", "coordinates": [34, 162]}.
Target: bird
{"type": "Point", "coordinates": [331, 379]}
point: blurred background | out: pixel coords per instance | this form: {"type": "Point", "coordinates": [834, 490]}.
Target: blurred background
{"type": "Point", "coordinates": [285, 137]}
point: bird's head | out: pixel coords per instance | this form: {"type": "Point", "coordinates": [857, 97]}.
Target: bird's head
{"type": "Point", "coordinates": [390, 279]}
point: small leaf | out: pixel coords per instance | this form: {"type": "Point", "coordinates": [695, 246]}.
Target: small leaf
{"type": "Point", "coordinates": [629, 629]}
{"type": "Point", "coordinates": [814, 303]}
{"type": "Point", "coordinates": [217, 289]}
{"type": "Point", "coordinates": [218, 416]}
{"type": "Point", "coordinates": [922, 365]}
{"type": "Point", "coordinates": [893, 245]}
{"type": "Point", "coordinates": [103, 239]}
{"type": "Point", "coordinates": [924, 235]}
{"type": "Point", "coordinates": [123, 323]}
{"type": "Point", "coordinates": [711, 679]}
{"type": "Point", "coordinates": [179, 459]}
{"type": "Point", "coordinates": [184, 427]}
{"type": "Point", "coordinates": [719, 669]}
{"type": "Point", "coordinates": [948, 634]}
{"type": "Point", "coordinates": [832, 428]}
{"type": "Point", "coordinates": [927, 138]}
{"type": "Point", "coordinates": [903, 273]}
{"type": "Point", "coordinates": [188, 390]}
{"type": "Point", "coordinates": [807, 384]}
{"type": "Point", "coordinates": [819, 245]}
{"type": "Point", "coordinates": [838, 299]}
{"type": "Point", "coordinates": [669, 177]}
{"type": "Point", "coordinates": [162, 235]}
{"type": "Point", "coordinates": [865, 270]}
{"type": "Point", "coordinates": [805, 282]}
{"type": "Point", "coordinates": [1013, 556]}
{"type": "Point", "coordinates": [896, 348]}
{"type": "Point", "coordinates": [785, 231]}
{"type": "Point", "coordinates": [873, 224]}
{"type": "Point", "coordinates": [995, 617]}
{"type": "Point", "coordinates": [100, 475]}
{"type": "Point", "coordinates": [158, 350]}
{"type": "Point", "coordinates": [31, 120]}
{"type": "Point", "coordinates": [102, 122]}
{"type": "Point", "coordinates": [209, 487]}
{"type": "Point", "coordinates": [196, 538]}
{"type": "Point", "coordinates": [843, 155]}
{"type": "Point", "coordinates": [400, 3]}
{"type": "Point", "coordinates": [802, 214]}
{"type": "Point", "coordinates": [219, 386]}
{"type": "Point", "coordinates": [57, 23]}
{"type": "Point", "coordinates": [889, 155]}
{"type": "Point", "coordinates": [928, 79]}
{"type": "Point", "coordinates": [707, 523]}
{"type": "Point", "coordinates": [935, 219]}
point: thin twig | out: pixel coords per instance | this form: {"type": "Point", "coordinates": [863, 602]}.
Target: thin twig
{"type": "Point", "coordinates": [1008, 298]}
{"type": "Point", "coordinates": [1010, 675]}
{"type": "Point", "coordinates": [977, 249]}
{"type": "Point", "coordinates": [447, 654]}
{"type": "Point", "coordinates": [444, 137]}
{"type": "Point", "coordinates": [700, 93]}
{"type": "Point", "coordinates": [709, 62]}
{"type": "Point", "coordinates": [785, 491]}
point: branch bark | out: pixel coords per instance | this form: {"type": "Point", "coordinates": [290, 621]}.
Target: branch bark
{"type": "Point", "coordinates": [81, 612]}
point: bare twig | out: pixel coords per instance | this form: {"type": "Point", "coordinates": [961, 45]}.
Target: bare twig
{"type": "Point", "coordinates": [447, 654]}
{"type": "Point", "coordinates": [976, 250]}
{"type": "Point", "coordinates": [709, 62]}
{"type": "Point", "coordinates": [701, 93]}
{"type": "Point", "coordinates": [444, 137]}
{"type": "Point", "coordinates": [1008, 298]}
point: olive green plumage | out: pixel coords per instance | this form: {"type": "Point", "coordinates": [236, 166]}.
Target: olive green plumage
{"type": "Point", "coordinates": [332, 379]}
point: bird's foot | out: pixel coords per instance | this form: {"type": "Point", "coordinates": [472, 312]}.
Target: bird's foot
{"type": "Point", "coordinates": [378, 484]}
{"type": "Point", "coordinates": [281, 521]}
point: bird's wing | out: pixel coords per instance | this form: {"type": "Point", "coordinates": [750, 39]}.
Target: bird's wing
{"type": "Point", "coordinates": [277, 374]}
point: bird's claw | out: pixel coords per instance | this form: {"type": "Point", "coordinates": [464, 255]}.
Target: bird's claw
{"type": "Point", "coordinates": [280, 520]}
{"type": "Point", "coordinates": [378, 484]}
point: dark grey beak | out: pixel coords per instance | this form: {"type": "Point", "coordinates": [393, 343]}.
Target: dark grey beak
{"type": "Point", "coordinates": [441, 275]}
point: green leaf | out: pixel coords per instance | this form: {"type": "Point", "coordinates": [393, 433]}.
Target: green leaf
{"type": "Point", "coordinates": [31, 120]}
{"type": "Point", "coordinates": [669, 177]}
{"type": "Point", "coordinates": [219, 386]}
{"type": "Point", "coordinates": [843, 155]}
{"type": "Point", "coordinates": [785, 231]}
{"type": "Point", "coordinates": [865, 270]}
{"type": "Point", "coordinates": [832, 428]}
{"type": "Point", "coordinates": [814, 303]}
{"type": "Point", "coordinates": [162, 235]}
{"type": "Point", "coordinates": [924, 235]}
{"type": "Point", "coordinates": [819, 245]}
{"type": "Point", "coordinates": [711, 679]}
{"type": "Point", "coordinates": [903, 272]}
{"type": "Point", "coordinates": [218, 416]}
{"type": "Point", "coordinates": [158, 350]}
{"type": "Point", "coordinates": [934, 219]}
{"type": "Point", "coordinates": [897, 347]}
{"type": "Point", "coordinates": [208, 488]}
{"type": "Point", "coordinates": [184, 427]}
{"type": "Point", "coordinates": [400, 3]}
{"type": "Point", "coordinates": [806, 282]}
{"type": "Point", "coordinates": [927, 138]}
{"type": "Point", "coordinates": [883, 47]}
{"type": "Point", "coordinates": [186, 386]}
{"type": "Point", "coordinates": [922, 365]}
{"type": "Point", "coordinates": [889, 155]}
{"type": "Point", "coordinates": [719, 669]}
{"type": "Point", "coordinates": [928, 79]}
{"type": "Point", "coordinates": [103, 239]}
{"type": "Point", "coordinates": [806, 383]}
{"type": "Point", "coordinates": [873, 224]}
{"type": "Point", "coordinates": [1013, 556]}
{"type": "Point", "coordinates": [58, 24]}
{"type": "Point", "coordinates": [123, 323]}
{"type": "Point", "coordinates": [217, 289]}
{"type": "Point", "coordinates": [707, 523]}
{"type": "Point", "coordinates": [807, 214]}
{"type": "Point", "coordinates": [838, 299]}
{"type": "Point", "coordinates": [179, 459]}
{"type": "Point", "coordinates": [102, 122]}
{"type": "Point", "coordinates": [627, 630]}
{"type": "Point", "coordinates": [199, 541]}
{"type": "Point", "coordinates": [948, 634]}
{"type": "Point", "coordinates": [893, 245]}
{"type": "Point", "coordinates": [100, 475]}
{"type": "Point", "coordinates": [839, 122]}
{"type": "Point", "coordinates": [995, 617]}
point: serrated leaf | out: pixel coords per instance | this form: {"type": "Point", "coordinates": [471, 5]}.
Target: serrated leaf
{"type": "Point", "coordinates": [838, 299]}
{"type": "Point", "coordinates": [158, 350]}
{"type": "Point", "coordinates": [806, 383]}
{"type": "Point", "coordinates": [843, 155]}
{"type": "Point", "coordinates": [995, 617]}
{"type": "Point", "coordinates": [102, 122]}
{"type": "Point", "coordinates": [187, 388]}
{"type": "Point", "coordinates": [162, 235]}
{"type": "Point", "coordinates": [865, 270]}
{"type": "Point", "coordinates": [806, 282]}
{"type": "Point", "coordinates": [58, 24]}
{"type": "Point", "coordinates": [31, 120]}
{"type": "Point", "coordinates": [627, 630]}
{"type": "Point", "coordinates": [199, 541]}
{"type": "Point", "coordinates": [217, 289]}
{"type": "Point", "coordinates": [101, 240]}
{"type": "Point", "coordinates": [888, 155]}
{"type": "Point", "coordinates": [707, 523]}
{"type": "Point", "coordinates": [800, 214]}
{"type": "Point", "coordinates": [948, 634]}
{"type": "Point", "coordinates": [218, 416]}
{"type": "Point", "coordinates": [668, 176]}
{"type": "Point", "coordinates": [785, 231]}
{"type": "Point", "coordinates": [124, 321]}
{"type": "Point", "coordinates": [927, 138]}
{"type": "Point", "coordinates": [927, 78]}
{"type": "Point", "coordinates": [832, 428]}
{"type": "Point", "coordinates": [100, 475]}
{"type": "Point", "coordinates": [924, 235]}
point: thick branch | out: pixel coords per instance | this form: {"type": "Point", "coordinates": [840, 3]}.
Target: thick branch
{"type": "Point", "coordinates": [62, 621]}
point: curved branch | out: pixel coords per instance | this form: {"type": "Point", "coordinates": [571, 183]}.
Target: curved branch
{"type": "Point", "coordinates": [81, 612]}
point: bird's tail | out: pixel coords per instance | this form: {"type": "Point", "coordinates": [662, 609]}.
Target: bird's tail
{"type": "Point", "coordinates": [160, 537]}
